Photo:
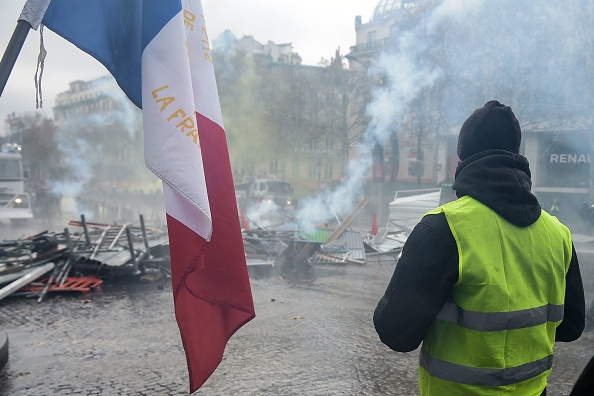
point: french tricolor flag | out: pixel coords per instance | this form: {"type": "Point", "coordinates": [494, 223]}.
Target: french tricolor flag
{"type": "Point", "coordinates": [159, 53]}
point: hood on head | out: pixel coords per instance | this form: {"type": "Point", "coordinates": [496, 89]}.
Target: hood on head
{"type": "Point", "coordinates": [493, 126]}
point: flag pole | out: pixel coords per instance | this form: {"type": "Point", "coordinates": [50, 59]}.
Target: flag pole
{"type": "Point", "coordinates": [12, 51]}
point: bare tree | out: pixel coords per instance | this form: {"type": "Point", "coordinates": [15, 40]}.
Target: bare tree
{"type": "Point", "coordinates": [38, 137]}
{"type": "Point", "coordinates": [348, 92]}
{"type": "Point", "coordinates": [242, 92]}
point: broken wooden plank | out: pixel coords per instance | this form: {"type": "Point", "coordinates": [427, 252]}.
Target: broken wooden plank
{"type": "Point", "coordinates": [347, 222]}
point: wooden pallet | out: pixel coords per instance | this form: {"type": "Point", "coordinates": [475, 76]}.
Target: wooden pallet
{"type": "Point", "coordinates": [77, 284]}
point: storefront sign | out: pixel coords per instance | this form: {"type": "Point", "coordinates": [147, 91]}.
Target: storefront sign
{"type": "Point", "coordinates": [569, 158]}
{"type": "Point", "coordinates": [564, 160]}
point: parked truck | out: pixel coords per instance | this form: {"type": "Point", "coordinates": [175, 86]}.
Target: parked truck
{"type": "Point", "coordinates": [269, 189]}
{"type": "Point", "coordinates": [15, 202]}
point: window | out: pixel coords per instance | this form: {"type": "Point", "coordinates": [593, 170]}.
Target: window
{"type": "Point", "coordinates": [273, 166]}
{"type": "Point", "coordinates": [311, 169]}
{"type": "Point", "coordinates": [371, 39]}
{"type": "Point", "coordinates": [393, 30]}
{"type": "Point", "coordinates": [10, 169]}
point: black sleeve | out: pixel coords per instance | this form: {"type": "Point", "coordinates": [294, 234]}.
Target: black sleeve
{"type": "Point", "coordinates": [420, 286]}
{"type": "Point", "coordinates": [573, 323]}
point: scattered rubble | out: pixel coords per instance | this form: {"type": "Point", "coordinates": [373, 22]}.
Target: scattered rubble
{"type": "Point", "coordinates": [51, 262]}
{"type": "Point", "coordinates": [294, 255]}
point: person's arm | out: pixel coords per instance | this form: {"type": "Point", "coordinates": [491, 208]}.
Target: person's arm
{"type": "Point", "coordinates": [420, 285]}
{"type": "Point", "coordinates": [573, 323]}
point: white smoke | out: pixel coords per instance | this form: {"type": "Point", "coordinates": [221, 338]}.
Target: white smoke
{"type": "Point", "coordinates": [407, 74]}
{"type": "Point", "coordinates": [83, 152]}
{"type": "Point", "coordinates": [264, 214]}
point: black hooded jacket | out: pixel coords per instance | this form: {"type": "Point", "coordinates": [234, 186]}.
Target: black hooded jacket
{"type": "Point", "coordinates": [428, 268]}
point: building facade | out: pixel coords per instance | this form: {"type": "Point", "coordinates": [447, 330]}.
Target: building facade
{"type": "Point", "coordinates": [288, 96]}
{"type": "Point", "coordinates": [86, 97]}
{"type": "Point", "coordinates": [277, 53]}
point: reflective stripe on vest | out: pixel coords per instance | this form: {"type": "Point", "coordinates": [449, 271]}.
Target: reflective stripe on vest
{"type": "Point", "coordinates": [484, 376]}
{"type": "Point", "coordinates": [496, 321]}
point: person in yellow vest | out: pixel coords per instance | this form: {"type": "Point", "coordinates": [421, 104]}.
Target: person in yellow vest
{"type": "Point", "coordinates": [488, 282]}
{"type": "Point", "coordinates": [555, 207]}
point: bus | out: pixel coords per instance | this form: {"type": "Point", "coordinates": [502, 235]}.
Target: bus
{"type": "Point", "coordinates": [15, 203]}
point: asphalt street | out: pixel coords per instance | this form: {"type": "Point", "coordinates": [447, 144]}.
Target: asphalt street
{"type": "Point", "coordinates": [309, 340]}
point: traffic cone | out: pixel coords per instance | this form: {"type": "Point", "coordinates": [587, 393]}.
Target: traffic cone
{"type": "Point", "coordinates": [245, 222]}
{"type": "Point", "coordinates": [374, 227]}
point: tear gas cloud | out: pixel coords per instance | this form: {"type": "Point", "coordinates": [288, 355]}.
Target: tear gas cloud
{"type": "Point", "coordinates": [407, 75]}
{"type": "Point", "coordinates": [91, 142]}
{"type": "Point", "coordinates": [262, 215]}
{"type": "Point", "coordinates": [533, 56]}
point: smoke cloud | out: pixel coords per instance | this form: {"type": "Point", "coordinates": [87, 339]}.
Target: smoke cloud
{"type": "Point", "coordinates": [406, 74]}
{"type": "Point", "coordinates": [102, 146]}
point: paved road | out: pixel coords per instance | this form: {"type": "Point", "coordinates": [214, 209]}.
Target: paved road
{"type": "Point", "coordinates": [315, 340]}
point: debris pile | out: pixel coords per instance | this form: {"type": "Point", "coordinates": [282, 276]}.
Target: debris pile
{"type": "Point", "coordinates": [406, 210]}
{"type": "Point", "coordinates": [63, 262]}
{"type": "Point", "coordinates": [294, 255]}
{"type": "Point", "coordinates": [79, 261]}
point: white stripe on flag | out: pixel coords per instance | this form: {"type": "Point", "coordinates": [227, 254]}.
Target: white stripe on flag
{"type": "Point", "coordinates": [172, 145]}
{"type": "Point", "coordinates": [203, 76]}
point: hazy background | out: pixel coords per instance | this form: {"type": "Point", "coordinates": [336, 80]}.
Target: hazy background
{"type": "Point", "coordinates": [315, 28]}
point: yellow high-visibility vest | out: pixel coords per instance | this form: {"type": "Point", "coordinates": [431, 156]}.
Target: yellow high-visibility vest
{"type": "Point", "coordinates": [496, 334]}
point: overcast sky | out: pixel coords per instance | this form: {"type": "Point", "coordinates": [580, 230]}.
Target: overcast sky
{"type": "Point", "coordinates": [316, 28]}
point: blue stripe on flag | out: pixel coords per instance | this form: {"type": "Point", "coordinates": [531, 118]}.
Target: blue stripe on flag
{"type": "Point", "coordinates": [115, 32]}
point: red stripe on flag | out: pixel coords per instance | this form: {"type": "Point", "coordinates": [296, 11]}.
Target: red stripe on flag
{"type": "Point", "coordinates": [211, 288]}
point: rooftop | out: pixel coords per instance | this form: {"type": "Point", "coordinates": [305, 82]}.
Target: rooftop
{"type": "Point", "coordinates": [387, 8]}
